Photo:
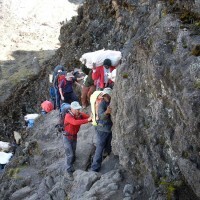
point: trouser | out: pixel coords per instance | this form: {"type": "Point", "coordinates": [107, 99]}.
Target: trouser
{"type": "Point", "coordinates": [58, 98]}
{"type": "Point", "coordinates": [53, 100]}
{"type": "Point", "coordinates": [103, 144]}
{"type": "Point", "coordinates": [70, 97]}
{"type": "Point", "coordinates": [85, 94]}
{"type": "Point", "coordinates": [70, 148]}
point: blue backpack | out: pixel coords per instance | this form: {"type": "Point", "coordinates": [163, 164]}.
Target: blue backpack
{"type": "Point", "coordinates": [65, 107]}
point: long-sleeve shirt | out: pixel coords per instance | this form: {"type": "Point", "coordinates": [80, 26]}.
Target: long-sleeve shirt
{"type": "Point", "coordinates": [104, 121]}
{"type": "Point", "coordinates": [72, 124]}
{"type": "Point", "coordinates": [89, 81]}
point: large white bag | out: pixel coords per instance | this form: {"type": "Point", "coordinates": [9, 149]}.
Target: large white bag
{"type": "Point", "coordinates": [5, 157]}
{"type": "Point", "coordinates": [31, 116]}
{"type": "Point", "coordinates": [99, 56]}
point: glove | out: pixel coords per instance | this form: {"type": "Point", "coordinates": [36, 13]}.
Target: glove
{"type": "Point", "coordinates": [59, 128]}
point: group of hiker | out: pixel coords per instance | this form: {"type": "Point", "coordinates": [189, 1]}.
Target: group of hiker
{"type": "Point", "coordinates": [96, 84]}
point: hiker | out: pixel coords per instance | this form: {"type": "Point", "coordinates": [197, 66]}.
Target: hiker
{"type": "Point", "coordinates": [66, 90]}
{"type": "Point", "coordinates": [103, 130]}
{"type": "Point", "coordinates": [72, 122]}
{"type": "Point", "coordinates": [58, 70]}
{"type": "Point", "coordinates": [77, 73]}
{"type": "Point", "coordinates": [88, 86]}
{"type": "Point", "coordinates": [100, 75]}
{"type": "Point", "coordinates": [64, 109]}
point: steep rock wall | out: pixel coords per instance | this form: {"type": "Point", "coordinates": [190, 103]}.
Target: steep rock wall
{"type": "Point", "coordinates": [156, 95]}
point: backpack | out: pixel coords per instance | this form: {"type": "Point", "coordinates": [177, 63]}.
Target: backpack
{"type": "Point", "coordinates": [95, 101]}
{"type": "Point", "coordinates": [47, 106]}
{"type": "Point", "coordinates": [58, 78]}
{"type": "Point", "coordinates": [55, 71]}
{"type": "Point", "coordinates": [64, 109]}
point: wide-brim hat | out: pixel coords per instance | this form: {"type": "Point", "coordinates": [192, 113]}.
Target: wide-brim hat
{"type": "Point", "coordinates": [107, 91]}
{"type": "Point", "coordinates": [75, 105]}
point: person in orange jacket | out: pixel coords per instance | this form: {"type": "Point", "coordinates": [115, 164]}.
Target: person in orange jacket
{"type": "Point", "coordinates": [100, 75]}
{"type": "Point", "coordinates": [72, 122]}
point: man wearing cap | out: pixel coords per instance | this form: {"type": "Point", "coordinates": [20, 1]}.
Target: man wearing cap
{"type": "Point", "coordinates": [58, 68]}
{"type": "Point", "coordinates": [66, 90]}
{"type": "Point", "coordinates": [100, 74]}
{"type": "Point", "coordinates": [72, 122]}
{"type": "Point", "coordinates": [103, 129]}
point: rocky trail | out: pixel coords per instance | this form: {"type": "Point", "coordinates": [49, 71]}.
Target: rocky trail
{"type": "Point", "coordinates": [37, 170]}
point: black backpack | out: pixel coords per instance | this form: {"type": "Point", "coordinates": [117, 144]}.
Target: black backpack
{"type": "Point", "coordinates": [64, 109]}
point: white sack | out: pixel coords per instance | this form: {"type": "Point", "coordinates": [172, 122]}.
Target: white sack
{"type": "Point", "coordinates": [5, 157]}
{"type": "Point", "coordinates": [31, 116]}
{"type": "Point", "coordinates": [5, 146]}
{"type": "Point", "coordinates": [99, 56]}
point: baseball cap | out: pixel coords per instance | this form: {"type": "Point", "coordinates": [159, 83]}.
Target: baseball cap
{"type": "Point", "coordinates": [69, 75]}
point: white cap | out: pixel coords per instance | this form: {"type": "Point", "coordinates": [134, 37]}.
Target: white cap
{"type": "Point", "coordinates": [69, 75]}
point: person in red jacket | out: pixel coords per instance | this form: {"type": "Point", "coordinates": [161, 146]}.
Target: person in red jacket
{"type": "Point", "coordinates": [100, 75]}
{"type": "Point", "coordinates": [72, 122]}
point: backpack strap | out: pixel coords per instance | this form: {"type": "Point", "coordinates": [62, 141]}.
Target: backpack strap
{"type": "Point", "coordinates": [70, 112]}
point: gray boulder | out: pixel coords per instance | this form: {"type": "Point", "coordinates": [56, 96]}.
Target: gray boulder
{"type": "Point", "coordinates": [85, 146]}
{"type": "Point", "coordinates": [20, 194]}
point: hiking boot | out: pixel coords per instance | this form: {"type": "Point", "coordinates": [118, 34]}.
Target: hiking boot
{"type": "Point", "coordinates": [105, 154]}
{"type": "Point", "coordinates": [92, 170]}
{"type": "Point", "coordinates": [69, 176]}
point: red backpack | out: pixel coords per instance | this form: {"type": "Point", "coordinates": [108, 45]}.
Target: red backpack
{"type": "Point", "coordinates": [47, 106]}
{"type": "Point", "coordinates": [60, 78]}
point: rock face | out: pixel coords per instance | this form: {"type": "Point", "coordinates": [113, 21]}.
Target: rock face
{"type": "Point", "coordinates": [155, 102]}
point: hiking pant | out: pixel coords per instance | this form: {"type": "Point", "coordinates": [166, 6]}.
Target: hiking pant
{"type": "Point", "coordinates": [53, 100]}
{"type": "Point", "coordinates": [70, 97]}
{"type": "Point", "coordinates": [103, 144]}
{"type": "Point", "coordinates": [58, 97]}
{"type": "Point", "coordinates": [86, 93]}
{"type": "Point", "coordinates": [70, 148]}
